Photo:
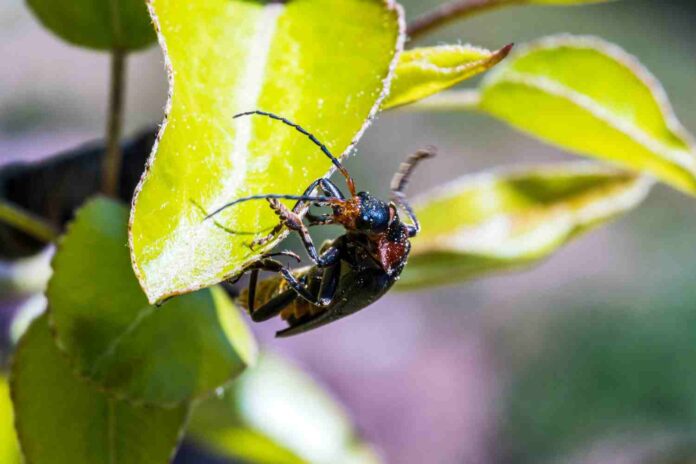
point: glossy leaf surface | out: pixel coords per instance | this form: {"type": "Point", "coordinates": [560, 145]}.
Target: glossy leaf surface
{"type": "Point", "coordinates": [422, 72]}
{"type": "Point", "coordinates": [592, 98]}
{"type": "Point", "coordinates": [100, 24]}
{"type": "Point", "coordinates": [9, 446]}
{"type": "Point", "coordinates": [502, 220]}
{"type": "Point", "coordinates": [62, 420]}
{"type": "Point", "coordinates": [321, 63]}
{"type": "Point", "coordinates": [276, 413]}
{"type": "Point", "coordinates": [163, 355]}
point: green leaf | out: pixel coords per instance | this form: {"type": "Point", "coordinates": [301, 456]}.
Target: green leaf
{"type": "Point", "coordinates": [9, 446]}
{"type": "Point", "coordinates": [276, 413]}
{"type": "Point", "coordinates": [184, 349]}
{"type": "Point", "coordinates": [592, 365]}
{"type": "Point", "coordinates": [590, 97]}
{"type": "Point", "coordinates": [63, 420]}
{"type": "Point", "coordinates": [502, 220]}
{"type": "Point", "coordinates": [422, 72]}
{"type": "Point", "coordinates": [100, 24]}
{"type": "Point", "coordinates": [321, 63]}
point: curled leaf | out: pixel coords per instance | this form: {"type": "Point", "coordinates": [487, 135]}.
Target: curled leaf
{"type": "Point", "coordinates": [592, 98]}
{"type": "Point", "coordinates": [100, 24]}
{"type": "Point", "coordinates": [502, 220]}
{"type": "Point", "coordinates": [422, 72]}
{"type": "Point", "coordinates": [62, 420]}
{"type": "Point", "coordinates": [100, 317]}
{"type": "Point", "coordinates": [321, 63]}
{"type": "Point", "coordinates": [276, 413]}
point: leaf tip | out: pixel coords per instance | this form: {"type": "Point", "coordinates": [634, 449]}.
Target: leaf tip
{"type": "Point", "coordinates": [501, 54]}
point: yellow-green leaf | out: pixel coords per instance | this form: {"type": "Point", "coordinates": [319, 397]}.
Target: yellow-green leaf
{"type": "Point", "coordinates": [62, 420]}
{"type": "Point", "coordinates": [100, 24]}
{"type": "Point", "coordinates": [184, 349]}
{"type": "Point", "coordinates": [592, 98]}
{"type": "Point", "coordinates": [422, 72]}
{"type": "Point", "coordinates": [497, 221]}
{"type": "Point", "coordinates": [9, 446]}
{"type": "Point", "coordinates": [321, 63]}
{"type": "Point", "coordinates": [276, 413]}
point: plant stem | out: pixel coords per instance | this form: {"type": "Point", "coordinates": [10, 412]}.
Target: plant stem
{"type": "Point", "coordinates": [27, 222]}
{"type": "Point", "coordinates": [450, 11]}
{"type": "Point", "coordinates": [111, 165]}
{"type": "Point", "coordinates": [447, 101]}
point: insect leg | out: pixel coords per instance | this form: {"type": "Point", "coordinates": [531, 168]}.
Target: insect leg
{"type": "Point", "coordinates": [321, 220]}
{"type": "Point", "coordinates": [294, 222]}
{"type": "Point", "coordinates": [302, 290]}
{"type": "Point", "coordinates": [274, 306]}
{"type": "Point", "coordinates": [400, 181]}
{"type": "Point", "coordinates": [329, 284]}
{"type": "Point", "coordinates": [330, 189]}
{"type": "Point", "coordinates": [253, 279]}
{"type": "Point", "coordinates": [254, 276]}
{"type": "Point", "coordinates": [327, 187]}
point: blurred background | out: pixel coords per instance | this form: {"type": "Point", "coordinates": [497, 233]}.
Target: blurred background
{"type": "Point", "coordinates": [587, 358]}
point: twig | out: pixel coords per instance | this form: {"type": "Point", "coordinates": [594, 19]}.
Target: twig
{"type": "Point", "coordinates": [450, 11]}
{"type": "Point", "coordinates": [27, 222]}
{"type": "Point", "coordinates": [111, 165]}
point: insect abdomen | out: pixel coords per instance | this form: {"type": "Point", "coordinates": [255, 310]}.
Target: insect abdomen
{"type": "Point", "coordinates": [268, 289]}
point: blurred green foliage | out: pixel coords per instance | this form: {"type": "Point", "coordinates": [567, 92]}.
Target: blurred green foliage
{"type": "Point", "coordinates": [62, 420]}
{"type": "Point", "coordinates": [276, 413]}
{"type": "Point", "coordinates": [99, 24]}
{"type": "Point", "coordinates": [184, 349]}
{"type": "Point", "coordinates": [597, 371]}
{"type": "Point", "coordinates": [497, 221]}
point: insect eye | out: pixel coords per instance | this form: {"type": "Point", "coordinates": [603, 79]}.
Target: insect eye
{"type": "Point", "coordinates": [374, 214]}
{"type": "Point", "coordinates": [374, 220]}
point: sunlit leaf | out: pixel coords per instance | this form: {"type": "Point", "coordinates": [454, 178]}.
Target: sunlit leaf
{"type": "Point", "coordinates": [102, 320]}
{"type": "Point", "coordinates": [502, 220]}
{"type": "Point", "coordinates": [324, 64]}
{"type": "Point", "coordinates": [276, 413]}
{"type": "Point", "coordinates": [590, 97]}
{"type": "Point", "coordinates": [9, 447]}
{"type": "Point", "coordinates": [100, 24]}
{"type": "Point", "coordinates": [62, 420]}
{"type": "Point", "coordinates": [422, 72]}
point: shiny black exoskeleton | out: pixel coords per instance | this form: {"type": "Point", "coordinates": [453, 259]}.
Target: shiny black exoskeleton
{"type": "Point", "coordinates": [348, 273]}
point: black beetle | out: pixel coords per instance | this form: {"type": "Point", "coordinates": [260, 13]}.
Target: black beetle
{"type": "Point", "coordinates": [350, 272]}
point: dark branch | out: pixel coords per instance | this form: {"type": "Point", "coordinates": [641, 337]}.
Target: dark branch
{"type": "Point", "coordinates": [451, 11]}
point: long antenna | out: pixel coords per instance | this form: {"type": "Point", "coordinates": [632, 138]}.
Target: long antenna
{"type": "Point", "coordinates": [275, 196]}
{"type": "Point", "coordinates": [400, 181]}
{"type": "Point", "coordinates": [324, 149]}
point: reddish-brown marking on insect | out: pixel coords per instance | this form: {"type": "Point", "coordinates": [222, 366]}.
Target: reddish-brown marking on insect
{"type": "Point", "coordinates": [389, 253]}
{"type": "Point", "coordinates": [347, 212]}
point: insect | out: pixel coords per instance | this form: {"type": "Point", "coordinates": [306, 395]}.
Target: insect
{"type": "Point", "coordinates": [347, 274]}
